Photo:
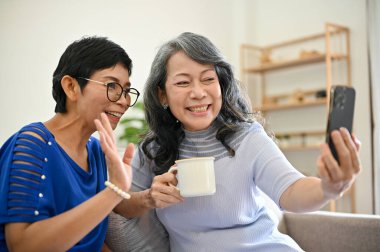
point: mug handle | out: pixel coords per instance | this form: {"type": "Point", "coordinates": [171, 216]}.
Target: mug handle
{"type": "Point", "coordinates": [173, 170]}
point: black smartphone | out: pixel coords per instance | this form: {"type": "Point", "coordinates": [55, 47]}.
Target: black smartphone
{"type": "Point", "coordinates": [341, 112]}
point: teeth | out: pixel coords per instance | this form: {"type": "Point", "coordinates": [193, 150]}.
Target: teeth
{"type": "Point", "coordinates": [116, 114]}
{"type": "Point", "coordinates": [198, 109]}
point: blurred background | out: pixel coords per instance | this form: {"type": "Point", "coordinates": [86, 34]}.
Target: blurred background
{"type": "Point", "coordinates": [34, 34]}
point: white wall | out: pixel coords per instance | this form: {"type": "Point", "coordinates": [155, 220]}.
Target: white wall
{"type": "Point", "coordinates": [275, 20]}
{"type": "Point", "coordinates": [33, 35]}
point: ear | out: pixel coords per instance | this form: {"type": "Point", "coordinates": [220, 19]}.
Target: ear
{"type": "Point", "coordinates": [162, 96]}
{"type": "Point", "coordinates": [71, 87]}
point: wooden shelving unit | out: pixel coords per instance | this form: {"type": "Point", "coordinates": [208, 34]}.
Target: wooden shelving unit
{"type": "Point", "coordinates": [299, 141]}
{"type": "Point", "coordinates": [291, 63]}
{"type": "Point", "coordinates": [330, 48]}
{"type": "Point", "coordinates": [292, 105]}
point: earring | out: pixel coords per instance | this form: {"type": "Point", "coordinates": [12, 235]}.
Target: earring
{"type": "Point", "coordinates": [165, 106]}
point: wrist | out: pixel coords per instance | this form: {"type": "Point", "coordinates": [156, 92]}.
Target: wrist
{"type": "Point", "coordinates": [120, 184]}
{"type": "Point", "coordinates": [112, 195]}
{"type": "Point", "coordinates": [117, 190]}
{"type": "Point", "coordinates": [148, 199]}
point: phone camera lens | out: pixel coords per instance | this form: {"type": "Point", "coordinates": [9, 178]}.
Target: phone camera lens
{"type": "Point", "coordinates": [340, 100]}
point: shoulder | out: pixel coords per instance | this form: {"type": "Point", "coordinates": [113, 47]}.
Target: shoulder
{"type": "Point", "coordinates": [255, 129]}
{"type": "Point", "coordinates": [34, 134]}
{"type": "Point", "coordinates": [253, 135]}
{"type": "Point", "coordinates": [31, 140]}
{"type": "Point", "coordinates": [22, 161]}
{"type": "Point", "coordinates": [36, 130]}
{"type": "Point", "coordinates": [248, 130]}
{"type": "Point", "coordinates": [140, 158]}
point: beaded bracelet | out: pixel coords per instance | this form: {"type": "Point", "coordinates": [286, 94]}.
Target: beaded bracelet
{"type": "Point", "coordinates": [117, 190]}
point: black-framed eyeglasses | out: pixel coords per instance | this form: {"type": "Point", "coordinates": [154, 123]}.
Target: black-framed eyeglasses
{"type": "Point", "coordinates": [115, 90]}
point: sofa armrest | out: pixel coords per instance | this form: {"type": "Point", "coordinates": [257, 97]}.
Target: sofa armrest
{"type": "Point", "coordinates": [330, 231]}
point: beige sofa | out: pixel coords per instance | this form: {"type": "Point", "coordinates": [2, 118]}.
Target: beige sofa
{"type": "Point", "coordinates": [328, 231]}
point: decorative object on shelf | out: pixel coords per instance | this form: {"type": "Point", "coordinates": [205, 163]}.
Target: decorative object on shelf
{"type": "Point", "coordinates": [309, 54]}
{"type": "Point", "coordinates": [320, 93]}
{"type": "Point", "coordinates": [297, 96]}
{"type": "Point", "coordinates": [291, 141]}
{"type": "Point", "coordinates": [265, 57]}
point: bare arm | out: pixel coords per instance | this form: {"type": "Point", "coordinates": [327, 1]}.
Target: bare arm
{"type": "Point", "coordinates": [63, 231]}
{"type": "Point", "coordinates": [311, 193]}
{"type": "Point", "coordinates": [160, 195]}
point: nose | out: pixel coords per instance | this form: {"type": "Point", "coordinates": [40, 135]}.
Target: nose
{"type": "Point", "coordinates": [197, 91]}
{"type": "Point", "coordinates": [124, 100]}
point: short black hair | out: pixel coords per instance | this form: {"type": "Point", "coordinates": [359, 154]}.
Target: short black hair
{"type": "Point", "coordinates": [83, 58]}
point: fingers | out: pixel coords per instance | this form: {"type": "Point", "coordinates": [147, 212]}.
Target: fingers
{"type": "Point", "coordinates": [107, 127]}
{"type": "Point", "coordinates": [118, 172]}
{"type": "Point", "coordinates": [338, 177]}
{"type": "Point", "coordinates": [323, 173]}
{"type": "Point", "coordinates": [107, 138]}
{"type": "Point", "coordinates": [161, 183]}
{"type": "Point", "coordinates": [331, 166]}
{"type": "Point", "coordinates": [103, 136]}
{"type": "Point", "coordinates": [352, 148]}
{"type": "Point", "coordinates": [347, 149]}
{"type": "Point", "coordinates": [162, 193]}
{"type": "Point", "coordinates": [164, 199]}
{"type": "Point", "coordinates": [342, 149]}
{"type": "Point", "coordinates": [357, 142]}
{"type": "Point", "coordinates": [128, 154]}
{"type": "Point", "coordinates": [127, 159]}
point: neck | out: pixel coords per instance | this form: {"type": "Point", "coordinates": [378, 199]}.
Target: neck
{"type": "Point", "coordinates": [69, 131]}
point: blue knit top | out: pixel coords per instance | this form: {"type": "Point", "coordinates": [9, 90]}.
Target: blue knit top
{"type": "Point", "coordinates": [235, 218]}
{"type": "Point", "coordinates": [39, 180]}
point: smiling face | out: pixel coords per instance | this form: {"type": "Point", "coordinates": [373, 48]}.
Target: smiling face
{"type": "Point", "coordinates": [94, 96]}
{"type": "Point", "coordinates": [192, 92]}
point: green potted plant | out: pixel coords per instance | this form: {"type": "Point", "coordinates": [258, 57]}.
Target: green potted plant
{"type": "Point", "coordinates": [135, 125]}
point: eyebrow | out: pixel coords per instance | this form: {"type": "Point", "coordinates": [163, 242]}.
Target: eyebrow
{"type": "Point", "coordinates": [206, 70]}
{"type": "Point", "coordinates": [127, 85]}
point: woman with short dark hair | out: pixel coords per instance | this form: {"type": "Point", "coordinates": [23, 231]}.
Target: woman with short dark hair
{"type": "Point", "coordinates": [55, 195]}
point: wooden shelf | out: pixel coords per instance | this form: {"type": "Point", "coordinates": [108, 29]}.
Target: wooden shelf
{"type": "Point", "coordinates": [290, 63]}
{"type": "Point", "coordinates": [331, 49]}
{"type": "Point", "coordinates": [301, 138]}
{"type": "Point", "coordinates": [317, 102]}
{"type": "Point", "coordinates": [300, 148]}
{"type": "Point", "coordinates": [301, 133]}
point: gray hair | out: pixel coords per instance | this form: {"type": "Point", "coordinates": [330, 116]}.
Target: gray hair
{"type": "Point", "coordinates": [165, 130]}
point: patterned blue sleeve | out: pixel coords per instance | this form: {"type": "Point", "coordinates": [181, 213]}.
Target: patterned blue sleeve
{"type": "Point", "coordinates": [21, 174]}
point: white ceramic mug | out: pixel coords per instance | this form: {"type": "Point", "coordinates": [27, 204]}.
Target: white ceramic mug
{"type": "Point", "coordinates": [196, 176]}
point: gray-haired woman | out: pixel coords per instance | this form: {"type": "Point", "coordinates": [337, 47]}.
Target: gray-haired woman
{"type": "Point", "coordinates": [195, 108]}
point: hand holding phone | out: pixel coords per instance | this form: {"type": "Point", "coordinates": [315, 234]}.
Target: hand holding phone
{"type": "Point", "coordinates": [341, 112]}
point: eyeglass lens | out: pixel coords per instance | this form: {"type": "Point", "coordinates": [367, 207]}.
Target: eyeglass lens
{"type": "Point", "coordinates": [115, 90]}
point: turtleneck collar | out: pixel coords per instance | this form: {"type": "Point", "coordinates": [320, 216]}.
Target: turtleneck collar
{"type": "Point", "coordinates": [210, 131]}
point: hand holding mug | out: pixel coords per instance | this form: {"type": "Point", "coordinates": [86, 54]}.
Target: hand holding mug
{"type": "Point", "coordinates": [196, 176]}
{"type": "Point", "coordinates": [161, 194]}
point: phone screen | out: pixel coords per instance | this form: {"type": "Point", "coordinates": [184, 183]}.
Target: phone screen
{"type": "Point", "coordinates": [341, 112]}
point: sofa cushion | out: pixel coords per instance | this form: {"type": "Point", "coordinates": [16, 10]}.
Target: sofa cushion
{"type": "Point", "coordinates": [328, 231]}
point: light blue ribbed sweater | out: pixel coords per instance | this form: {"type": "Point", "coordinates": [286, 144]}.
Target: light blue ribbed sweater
{"type": "Point", "coordinates": [234, 218]}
